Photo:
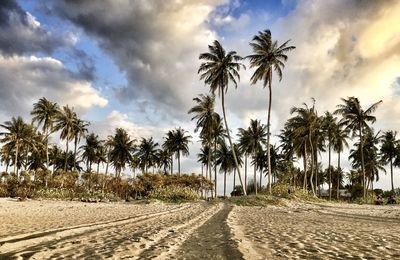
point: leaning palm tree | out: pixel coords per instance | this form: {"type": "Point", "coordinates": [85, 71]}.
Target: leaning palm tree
{"type": "Point", "coordinates": [218, 69]}
{"type": "Point", "coordinates": [44, 112]}
{"type": "Point", "coordinates": [65, 121]}
{"type": "Point", "coordinates": [121, 148]}
{"type": "Point", "coordinates": [268, 56]}
{"type": "Point", "coordinates": [356, 119]}
{"type": "Point", "coordinates": [390, 150]}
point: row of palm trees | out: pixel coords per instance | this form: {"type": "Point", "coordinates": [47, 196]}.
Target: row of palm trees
{"type": "Point", "coordinates": [26, 145]}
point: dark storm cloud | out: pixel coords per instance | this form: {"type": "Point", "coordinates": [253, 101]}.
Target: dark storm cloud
{"type": "Point", "coordinates": [156, 43]}
{"type": "Point", "coordinates": [21, 33]}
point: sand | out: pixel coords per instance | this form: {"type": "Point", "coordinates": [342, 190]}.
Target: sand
{"type": "Point", "coordinates": [75, 230]}
{"type": "Point", "coordinates": [317, 231]}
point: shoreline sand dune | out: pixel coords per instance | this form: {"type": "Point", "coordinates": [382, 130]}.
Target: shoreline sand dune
{"type": "Point", "coordinates": [201, 230]}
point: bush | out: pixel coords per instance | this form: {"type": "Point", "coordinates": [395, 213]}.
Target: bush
{"type": "Point", "coordinates": [173, 193]}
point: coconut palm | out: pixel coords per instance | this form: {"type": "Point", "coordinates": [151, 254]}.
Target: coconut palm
{"type": "Point", "coordinates": [205, 115]}
{"type": "Point", "coordinates": [164, 160]}
{"type": "Point", "coordinates": [177, 141]}
{"type": "Point", "coordinates": [267, 56]}
{"type": "Point", "coordinates": [218, 69]}
{"type": "Point", "coordinates": [89, 150]}
{"type": "Point", "coordinates": [65, 121]}
{"type": "Point", "coordinates": [329, 125]}
{"type": "Point", "coordinates": [245, 149]}
{"type": "Point", "coordinates": [44, 113]}
{"type": "Point", "coordinates": [371, 157]}
{"type": "Point", "coordinates": [17, 135]}
{"type": "Point", "coordinates": [79, 131]}
{"type": "Point", "coordinates": [147, 153]}
{"type": "Point", "coordinates": [252, 140]}
{"type": "Point", "coordinates": [218, 136]}
{"type": "Point", "coordinates": [390, 150]}
{"type": "Point", "coordinates": [304, 126]}
{"type": "Point", "coordinates": [340, 136]}
{"type": "Point", "coordinates": [356, 119]}
{"type": "Point", "coordinates": [121, 148]}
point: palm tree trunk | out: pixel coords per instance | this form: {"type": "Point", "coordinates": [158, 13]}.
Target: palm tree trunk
{"type": "Point", "coordinates": [305, 166]}
{"type": "Point", "coordinates": [261, 178]}
{"type": "Point", "coordinates": [338, 178]}
{"type": "Point", "coordinates": [362, 161]}
{"type": "Point", "coordinates": [47, 148]}
{"type": "Point", "coordinates": [234, 178]}
{"type": "Point", "coordinates": [230, 142]}
{"type": "Point", "coordinates": [179, 163]}
{"type": "Point", "coordinates": [16, 159]}
{"type": "Point", "coordinates": [215, 168]}
{"type": "Point", "coordinates": [268, 133]}
{"type": "Point", "coordinates": [172, 164]}
{"type": "Point", "coordinates": [224, 184]}
{"type": "Point", "coordinates": [255, 174]}
{"type": "Point", "coordinates": [245, 170]}
{"type": "Point", "coordinates": [75, 145]}
{"type": "Point", "coordinates": [312, 164]}
{"type": "Point", "coordinates": [316, 171]}
{"type": "Point", "coordinates": [66, 156]}
{"type": "Point", "coordinates": [98, 168]}
{"type": "Point", "coordinates": [391, 173]}
{"type": "Point", "coordinates": [329, 170]}
{"type": "Point", "coordinates": [108, 160]}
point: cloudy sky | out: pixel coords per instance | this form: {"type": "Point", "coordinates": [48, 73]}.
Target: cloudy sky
{"type": "Point", "coordinates": [133, 64]}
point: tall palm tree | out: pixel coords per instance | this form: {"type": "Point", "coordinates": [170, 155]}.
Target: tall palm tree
{"type": "Point", "coordinates": [341, 135]}
{"type": "Point", "coordinates": [121, 148]}
{"type": "Point", "coordinates": [329, 126]}
{"type": "Point", "coordinates": [267, 56]}
{"type": "Point", "coordinates": [205, 116]}
{"type": "Point", "coordinates": [178, 143]}
{"type": "Point", "coordinates": [218, 69]}
{"type": "Point", "coordinates": [79, 131]}
{"type": "Point", "coordinates": [356, 119]}
{"type": "Point", "coordinates": [225, 160]}
{"type": "Point", "coordinates": [17, 135]}
{"type": "Point", "coordinates": [44, 112]}
{"type": "Point", "coordinates": [390, 150]}
{"type": "Point", "coordinates": [253, 139]}
{"type": "Point", "coordinates": [89, 150]}
{"type": "Point", "coordinates": [305, 125]}
{"type": "Point", "coordinates": [65, 121]}
{"type": "Point", "coordinates": [147, 153]}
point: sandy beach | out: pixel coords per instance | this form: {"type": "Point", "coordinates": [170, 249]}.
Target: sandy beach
{"type": "Point", "coordinates": [201, 230]}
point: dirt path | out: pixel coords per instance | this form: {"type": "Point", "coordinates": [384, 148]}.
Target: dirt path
{"type": "Point", "coordinates": [213, 240]}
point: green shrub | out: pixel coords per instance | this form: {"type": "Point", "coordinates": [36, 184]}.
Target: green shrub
{"type": "Point", "coordinates": [173, 193]}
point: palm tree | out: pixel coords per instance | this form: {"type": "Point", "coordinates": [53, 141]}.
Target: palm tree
{"type": "Point", "coordinates": [79, 131]}
{"type": "Point", "coordinates": [121, 148]}
{"type": "Point", "coordinates": [371, 157]}
{"type": "Point", "coordinates": [252, 140]}
{"type": "Point", "coordinates": [218, 136]}
{"type": "Point", "coordinates": [147, 153]}
{"type": "Point", "coordinates": [218, 69]}
{"type": "Point", "coordinates": [268, 56]}
{"type": "Point", "coordinates": [304, 126]}
{"type": "Point", "coordinates": [225, 160]}
{"type": "Point", "coordinates": [44, 112]}
{"type": "Point", "coordinates": [356, 120]}
{"type": "Point", "coordinates": [329, 125]}
{"type": "Point", "coordinates": [245, 149]}
{"type": "Point", "coordinates": [390, 150]}
{"type": "Point", "coordinates": [65, 121]}
{"type": "Point", "coordinates": [17, 135]}
{"type": "Point", "coordinates": [205, 116]}
{"type": "Point", "coordinates": [89, 149]}
{"type": "Point", "coordinates": [341, 135]}
{"type": "Point", "coordinates": [178, 142]}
